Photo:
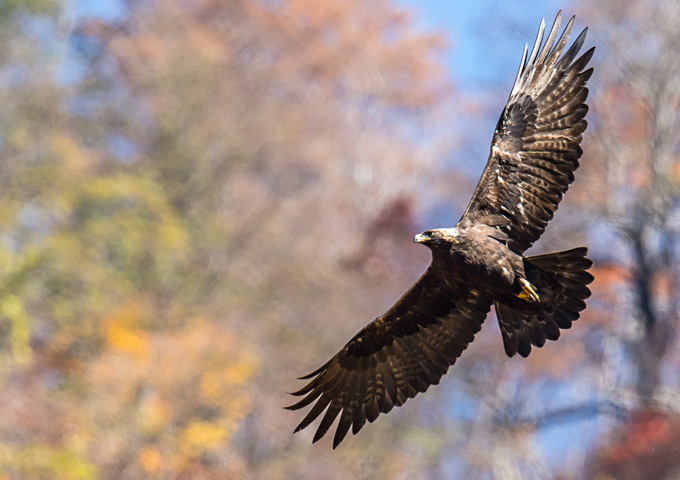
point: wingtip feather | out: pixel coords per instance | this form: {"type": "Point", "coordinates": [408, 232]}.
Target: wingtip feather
{"type": "Point", "coordinates": [537, 43]}
{"type": "Point", "coordinates": [342, 428]}
{"type": "Point", "coordinates": [315, 372]}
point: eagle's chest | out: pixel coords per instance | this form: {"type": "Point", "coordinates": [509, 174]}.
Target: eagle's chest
{"type": "Point", "coordinates": [484, 259]}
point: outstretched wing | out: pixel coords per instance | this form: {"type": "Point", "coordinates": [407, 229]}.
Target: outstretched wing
{"type": "Point", "coordinates": [536, 145]}
{"type": "Point", "coordinates": [398, 355]}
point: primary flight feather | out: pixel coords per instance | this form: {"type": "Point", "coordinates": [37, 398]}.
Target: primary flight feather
{"type": "Point", "coordinates": [479, 262]}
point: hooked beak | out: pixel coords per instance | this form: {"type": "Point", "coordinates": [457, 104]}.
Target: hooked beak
{"type": "Point", "coordinates": [420, 238]}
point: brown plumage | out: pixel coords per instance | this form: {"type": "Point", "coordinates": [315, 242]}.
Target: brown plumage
{"type": "Point", "coordinates": [534, 153]}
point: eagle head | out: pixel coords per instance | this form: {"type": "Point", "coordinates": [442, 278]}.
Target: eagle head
{"type": "Point", "coordinates": [435, 237]}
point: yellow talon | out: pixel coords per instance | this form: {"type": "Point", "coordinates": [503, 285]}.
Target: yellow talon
{"type": "Point", "coordinates": [528, 293]}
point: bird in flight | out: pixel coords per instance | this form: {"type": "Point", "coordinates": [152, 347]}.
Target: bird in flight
{"type": "Point", "coordinates": [480, 261]}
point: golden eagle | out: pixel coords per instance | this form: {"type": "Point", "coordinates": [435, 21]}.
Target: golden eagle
{"type": "Point", "coordinates": [479, 262]}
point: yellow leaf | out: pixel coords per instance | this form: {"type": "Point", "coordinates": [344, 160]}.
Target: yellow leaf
{"type": "Point", "coordinates": [12, 308]}
{"type": "Point", "coordinates": [239, 406]}
{"type": "Point", "coordinates": [123, 332]}
{"type": "Point", "coordinates": [150, 459]}
{"type": "Point", "coordinates": [240, 371]}
{"type": "Point", "coordinates": [121, 338]}
{"type": "Point", "coordinates": [200, 437]}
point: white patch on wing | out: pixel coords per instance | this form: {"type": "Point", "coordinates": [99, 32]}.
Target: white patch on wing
{"type": "Point", "coordinates": [520, 205]}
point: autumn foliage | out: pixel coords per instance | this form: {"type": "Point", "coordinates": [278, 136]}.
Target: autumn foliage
{"type": "Point", "coordinates": [204, 199]}
{"type": "Point", "coordinates": [205, 168]}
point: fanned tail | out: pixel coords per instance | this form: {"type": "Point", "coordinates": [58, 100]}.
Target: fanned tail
{"type": "Point", "coordinates": [561, 280]}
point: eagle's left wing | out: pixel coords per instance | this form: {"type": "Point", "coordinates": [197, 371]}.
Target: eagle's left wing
{"type": "Point", "coordinates": [398, 355]}
{"type": "Point", "coordinates": [536, 145]}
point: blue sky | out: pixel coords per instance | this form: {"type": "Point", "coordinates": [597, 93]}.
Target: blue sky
{"type": "Point", "coordinates": [486, 36]}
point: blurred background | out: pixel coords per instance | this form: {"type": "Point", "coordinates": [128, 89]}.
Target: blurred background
{"type": "Point", "coordinates": [205, 199]}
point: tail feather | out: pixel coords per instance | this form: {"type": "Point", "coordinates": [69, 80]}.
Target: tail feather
{"type": "Point", "coordinates": [561, 279]}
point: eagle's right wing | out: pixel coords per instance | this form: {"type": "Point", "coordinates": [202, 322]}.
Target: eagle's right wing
{"type": "Point", "coordinates": [398, 355]}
